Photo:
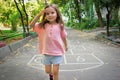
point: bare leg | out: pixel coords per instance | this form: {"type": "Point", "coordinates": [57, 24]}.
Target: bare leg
{"type": "Point", "coordinates": [48, 69]}
{"type": "Point", "coordinates": [55, 71]}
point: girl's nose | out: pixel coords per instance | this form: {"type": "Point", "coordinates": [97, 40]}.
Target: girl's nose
{"type": "Point", "coordinates": [50, 14]}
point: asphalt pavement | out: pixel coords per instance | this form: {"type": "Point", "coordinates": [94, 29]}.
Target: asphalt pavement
{"type": "Point", "coordinates": [86, 59]}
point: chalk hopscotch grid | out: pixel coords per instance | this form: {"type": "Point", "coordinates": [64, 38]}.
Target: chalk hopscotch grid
{"type": "Point", "coordinates": [35, 61]}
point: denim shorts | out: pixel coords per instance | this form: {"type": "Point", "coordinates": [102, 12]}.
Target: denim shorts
{"type": "Point", "coordinates": [48, 59]}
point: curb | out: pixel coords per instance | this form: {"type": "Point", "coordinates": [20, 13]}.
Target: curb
{"type": "Point", "coordinates": [12, 48]}
{"type": "Point", "coordinates": [106, 39]}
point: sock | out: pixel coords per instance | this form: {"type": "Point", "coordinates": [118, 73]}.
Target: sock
{"type": "Point", "coordinates": [51, 76]}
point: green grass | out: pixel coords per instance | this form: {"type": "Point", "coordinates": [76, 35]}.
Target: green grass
{"type": "Point", "coordinates": [9, 35]}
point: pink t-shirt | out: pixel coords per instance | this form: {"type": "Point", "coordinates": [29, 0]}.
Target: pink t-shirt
{"type": "Point", "coordinates": [50, 39]}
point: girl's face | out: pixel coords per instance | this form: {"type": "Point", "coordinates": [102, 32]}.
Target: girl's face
{"type": "Point", "coordinates": [51, 14]}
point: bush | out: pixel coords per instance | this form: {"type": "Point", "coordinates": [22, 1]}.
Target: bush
{"type": "Point", "coordinates": [85, 24]}
{"type": "Point", "coordinates": [9, 34]}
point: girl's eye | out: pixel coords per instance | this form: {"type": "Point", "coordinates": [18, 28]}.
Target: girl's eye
{"type": "Point", "coordinates": [52, 12]}
{"type": "Point", "coordinates": [47, 13]}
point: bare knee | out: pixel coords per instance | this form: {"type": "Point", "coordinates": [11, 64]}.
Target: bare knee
{"type": "Point", "coordinates": [48, 69]}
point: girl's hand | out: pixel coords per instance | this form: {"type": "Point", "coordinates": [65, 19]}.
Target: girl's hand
{"type": "Point", "coordinates": [42, 12]}
{"type": "Point", "coordinates": [66, 48]}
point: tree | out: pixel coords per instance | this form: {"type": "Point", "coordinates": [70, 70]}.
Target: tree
{"type": "Point", "coordinates": [14, 19]}
{"type": "Point", "coordinates": [97, 8]}
{"type": "Point", "coordinates": [9, 16]}
{"type": "Point", "coordinates": [116, 9]}
{"type": "Point", "coordinates": [77, 8]}
{"type": "Point", "coordinates": [110, 5]}
{"type": "Point", "coordinates": [24, 16]}
{"type": "Point", "coordinates": [60, 3]}
{"type": "Point", "coordinates": [45, 1]}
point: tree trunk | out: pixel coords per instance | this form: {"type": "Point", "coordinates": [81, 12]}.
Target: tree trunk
{"type": "Point", "coordinates": [45, 2]}
{"type": "Point", "coordinates": [38, 1]}
{"type": "Point", "coordinates": [100, 21]}
{"type": "Point", "coordinates": [108, 19]}
{"type": "Point", "coordinates": [24, 19]}
{"type": "Point", "coordinates": [21, 16]}
{"type": "Point", "coordinates": [26, 24]}
{"type": "Point", "coordinates": [77, 10]}
{"type": "Point", "coordinates": [14, 26]}
{"type": "Point", "coordinates": [107, 28]}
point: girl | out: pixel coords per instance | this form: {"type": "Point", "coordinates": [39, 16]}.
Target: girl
{"type": "Point", "coordinates": [52, 36]}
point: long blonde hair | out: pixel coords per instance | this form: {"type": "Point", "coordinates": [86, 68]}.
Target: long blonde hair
{"type": "Point", "coordinates": [58, 19]}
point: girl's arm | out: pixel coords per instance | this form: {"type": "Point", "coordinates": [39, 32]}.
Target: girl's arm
{"type": "Point", "coordinates": [63, 36]}
{"type": "Point", "coordinates": [65, 43]}
{"type": "Point", "coordinates": [36, 18]}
